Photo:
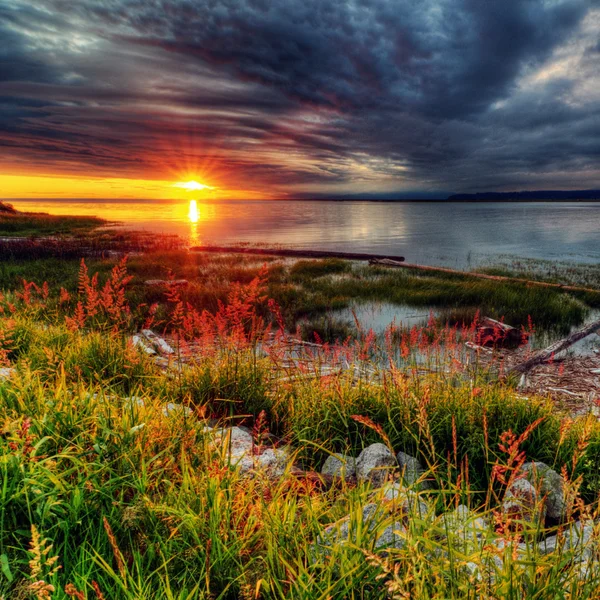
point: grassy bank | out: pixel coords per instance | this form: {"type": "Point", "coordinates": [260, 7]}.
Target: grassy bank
{"type": "Point", "coordinates": [14, 223]}
{"type": "Point", "coordinates": [106, 495]}
{"type": "Point", "coordinates": [312, 290]}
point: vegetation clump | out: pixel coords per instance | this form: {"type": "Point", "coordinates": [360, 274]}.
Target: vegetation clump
{"type": "Point", "coordinates": [108, 492]}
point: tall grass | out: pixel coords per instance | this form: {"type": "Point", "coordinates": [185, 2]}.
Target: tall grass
{"type": "Point", "coordinates": [105, 495]}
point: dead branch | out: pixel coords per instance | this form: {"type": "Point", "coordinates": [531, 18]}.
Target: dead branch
{"type": "Point", "coordinates": [546, 354]}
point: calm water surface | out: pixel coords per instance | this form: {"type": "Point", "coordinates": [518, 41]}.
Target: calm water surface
{"type": "Point", "coordinates": [451, 234]}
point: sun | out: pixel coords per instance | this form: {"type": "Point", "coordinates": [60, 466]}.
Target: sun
{"type": "Point", "coordinates": [192, 186]}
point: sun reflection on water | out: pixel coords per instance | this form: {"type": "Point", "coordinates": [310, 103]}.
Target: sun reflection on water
{"type": "Point", "coordinates": [193, 213]}
{"type": "Point", "coordinates": [194, 217]}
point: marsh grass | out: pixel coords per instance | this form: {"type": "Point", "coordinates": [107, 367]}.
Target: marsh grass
{"type": "Point", "coordinates": [103, 495]}
{"type": "Point", "coordinates": [39, 224]}
{"type": "Point", "coordinates": [306, 289]}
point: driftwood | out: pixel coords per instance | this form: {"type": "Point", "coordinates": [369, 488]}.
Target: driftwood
{"type": "Point", "coordinates": [387, 262]}
{"type": "Point", "coordinates": [166, 282]}
{"type": "Point", "coordinates": [296, 253]}
{"type": "Point", "coordinates": [495, 333]}
{"type": "Point", "coordinates": [161, 345]}
{"type": "Point", "coordinates": [548, 353]}
{"type": "Point", "coordinates": [138, 342]}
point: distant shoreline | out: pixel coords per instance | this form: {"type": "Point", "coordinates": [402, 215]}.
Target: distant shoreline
{"type": "Point", "coordinates": [451, 200]}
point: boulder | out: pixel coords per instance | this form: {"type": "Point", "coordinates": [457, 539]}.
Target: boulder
{"type": "Point", "coordinates": [550, 485]}
{"type": "Point", "coordinates": [466, 524]}
{"type": "Point", "coordinates": [374, 464]}
{"type": "Point", "coordinates": [577, 538]}
{"type": "Point", "coordinates": [274, 461]}
{"type": "Point", "coordinates": [339, 465]}
{"type": "Point", "coordinates": [340, 532]}
{"type": "Point", "coordinates": [392, 536]}
{"type": "Point", "coordinates": [412, 471]}
{"type": "Point", "coordinates": [239, 440]}
{"type": "Point", "coordinates": [521, 502]}
{"type": "Point", "coordinates": [402, 501]}
{"type": "Point", "coordinates": [7, 373]}
{"type": "Point", "coordinates": [173, 408]}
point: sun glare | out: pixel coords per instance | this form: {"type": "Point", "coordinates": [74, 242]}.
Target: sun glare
{"type": "Point", "coordinates": [193, 214]}
{"type": "Point", "coordinates": [192, 186]}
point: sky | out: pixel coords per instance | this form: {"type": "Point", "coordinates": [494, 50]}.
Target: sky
{"type": "Point", "coordinates": [297, 98]}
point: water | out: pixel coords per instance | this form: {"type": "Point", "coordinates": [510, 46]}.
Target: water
{"type": "Point", "coordinates": [460, 235]}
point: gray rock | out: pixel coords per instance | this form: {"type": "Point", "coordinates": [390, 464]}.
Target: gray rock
{"type": "Point", "coordinates": [339, 465]}
{"type": "Point", "coordinates": [466, 524]}
{"type": "Point", "coordinates": [274, 461]}
{"type": "Point", "coordinates": [391, 536]}
{"type": "Point", "coordinates": [374, 464]}
{"type": "Point", "coordinates": [340, 532]}
{"type": "Point", "coordinates": [172, 408]}
{"type": "Point", "coordinates": [550, 485]}
{"type": "Point", "coordinates": [412, 471]}
{"type": "Point", "coordinates": [7, 373]}
{"type": "Point", "coordinates": [239, 440]}
{"type": "Point", "coordinates": [578, 538]}
{"type": "Point", "coordinates": [403, 501]}
{"type": "Point", "coordinates": [521, 502]}
{"type": "Point", "coordinates": [132, 402]}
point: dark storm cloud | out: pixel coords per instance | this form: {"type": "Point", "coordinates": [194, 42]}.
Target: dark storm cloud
{"type": "Point", "coordinates": [442, 94]}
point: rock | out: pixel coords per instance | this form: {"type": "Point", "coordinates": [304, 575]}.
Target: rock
{"type": "Point", "coordinates": [239, 440]}
{"type": "Point", "coordinates": [405, 502]}
{"type": "Point", "coordinates": [550, 485]}
{"type": "Point", "coordinates": [134, 402]}
{"type": "Point", "coordinates": [339, 465]}
{"type": "Point", "coordinates": [157, 342]}
{"type": "Point", "coordinates": [172, 408]}
{"type": "Point", "coordinates": [412, 471]}
{"type": "Point", "coordinates": [465, 523]}
{"type": "Point", "coordinates": [274, 461]}
{"type": "Point", "coordinates": [374, 464]}
{"type": "Point", "coordinates": [138, 342]}
{"type": "Point", "coordinates": [578, 538]}
{"type": "Point", "coordinates": [340, 532]}
{"type": "Point", "coordinates": [6, 373]}
{"type": "Point", "coordinates": [521, 502]}
{"type": "Point", "coordinates": [392, 536]}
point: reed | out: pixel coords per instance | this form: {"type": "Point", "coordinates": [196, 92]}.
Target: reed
{"type": "Point", "coordinates": [109, 497]}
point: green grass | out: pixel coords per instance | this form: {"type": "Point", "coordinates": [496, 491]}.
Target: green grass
{"type": "Point", "coordinates": [20, 224]}
{"type": "Point", "coordinates": [148, 506]}
{"type": "Point", "coordinates": [308, 291]}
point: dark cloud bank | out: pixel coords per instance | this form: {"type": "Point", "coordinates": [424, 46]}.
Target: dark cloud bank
{"type": "Point", "coordinates": [311, 96]}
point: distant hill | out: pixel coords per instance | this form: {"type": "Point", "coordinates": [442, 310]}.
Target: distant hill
{"type": "Point", "coordinates": [531, 195]}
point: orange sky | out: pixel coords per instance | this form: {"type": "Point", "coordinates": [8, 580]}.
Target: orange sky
{"type": "Point", "coordinates": [27, 186]}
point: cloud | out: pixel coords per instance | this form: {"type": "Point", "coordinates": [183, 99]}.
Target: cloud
{"type": "Point", "coordinates": [344, 95]}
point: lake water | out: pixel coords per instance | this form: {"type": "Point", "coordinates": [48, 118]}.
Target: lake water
{"type": "Point", "coordinates": [458, 235]}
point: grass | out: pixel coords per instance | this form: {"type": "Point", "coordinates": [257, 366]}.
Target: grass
{"type": "Point", "coordinates": [103, 496]}
{"type": "Point", "coordinates": [310, 291]}
{"type": "Point", "coordinates": [563, 272]}
{"type": "Point", "coordinates": [25, 224]}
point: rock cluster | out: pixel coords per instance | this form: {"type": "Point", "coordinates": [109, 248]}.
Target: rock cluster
{"type": "Point", "coordinates": [397, 509]}
{"type": "Point", "coordinates": [376, 464]}
{"type": "Point", "coordinates": [240, 451]}
{"type": "Point", "coordinates": [538, 494]}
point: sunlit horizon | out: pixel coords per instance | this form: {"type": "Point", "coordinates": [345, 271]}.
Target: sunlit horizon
{"type": "Point", "coordinates": [31, 187]}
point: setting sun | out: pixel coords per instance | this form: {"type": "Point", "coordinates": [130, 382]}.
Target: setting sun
{"type": "Point", "coordinates": [192, 186]}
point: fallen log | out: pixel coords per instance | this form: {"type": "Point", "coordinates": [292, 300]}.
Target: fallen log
{"type": "Point", "coordinates": [161, 345]}
{"type": "Point", "coordinates": [495, 333]}
{"type": "Point", "coordinates": [296, 253]}
{"type": "Point", "coordinates": [544, 355]}
{"type": "Point", "coordinates": [388, 262]}
{"type": "Point", "coordinates": [166, 282]}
